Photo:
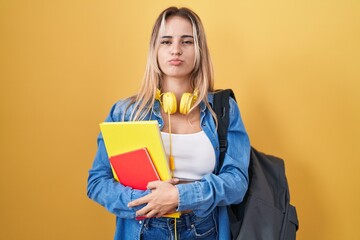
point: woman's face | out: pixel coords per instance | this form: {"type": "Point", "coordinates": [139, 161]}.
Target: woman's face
{"type": "Point", "coordinates": [176, 54]}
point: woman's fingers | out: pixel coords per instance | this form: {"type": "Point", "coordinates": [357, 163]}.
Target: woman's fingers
{"type": "Point", "coordinates": [139, 201]}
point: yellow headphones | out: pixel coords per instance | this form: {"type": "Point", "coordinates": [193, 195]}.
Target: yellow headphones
{"type": "Point", "coordinates": [169, 104]}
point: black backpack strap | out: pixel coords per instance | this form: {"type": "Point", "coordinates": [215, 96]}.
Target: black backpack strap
{"type": "Point", "coordinates": [221, 107]}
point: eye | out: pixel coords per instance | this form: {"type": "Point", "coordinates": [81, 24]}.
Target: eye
{"type": "Point", "coordinates": [187, 42]}
{"type": "Point", "coordinates": [165, 42]}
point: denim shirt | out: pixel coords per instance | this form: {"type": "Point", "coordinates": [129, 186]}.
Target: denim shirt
{"type": "Point", "coordinates": [212, 193]}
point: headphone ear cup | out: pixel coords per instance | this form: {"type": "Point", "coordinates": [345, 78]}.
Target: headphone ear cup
{"type": "Point", "coordinates": [187, 100]}
{"type": "Point", "coordinates": [169, 103]}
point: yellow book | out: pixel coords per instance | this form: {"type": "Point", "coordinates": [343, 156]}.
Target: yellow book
{"type": "Point", "coordinates": [121, 137]}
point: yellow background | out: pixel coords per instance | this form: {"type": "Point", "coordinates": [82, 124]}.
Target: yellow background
{"type": "Point", "coordinates": [294, 66]}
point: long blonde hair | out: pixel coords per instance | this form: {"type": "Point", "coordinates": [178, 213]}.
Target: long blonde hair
{"type": "Point", "coordinates": [202, 76]}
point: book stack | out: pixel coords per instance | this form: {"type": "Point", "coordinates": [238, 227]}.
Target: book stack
{"type": "Point", "coordinates": [136, 153]}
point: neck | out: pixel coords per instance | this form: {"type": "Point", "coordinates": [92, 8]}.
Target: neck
{"type": "Point", "coordinates": [176, 85]}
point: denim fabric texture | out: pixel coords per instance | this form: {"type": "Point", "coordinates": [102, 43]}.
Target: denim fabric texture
{"type": "Point", "coordinates": [188, 226]}
{"type": "Point", "coordinates": [208, 196]}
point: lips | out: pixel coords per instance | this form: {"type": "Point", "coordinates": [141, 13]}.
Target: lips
{"type": "Point", "coordinates": [175, 62]}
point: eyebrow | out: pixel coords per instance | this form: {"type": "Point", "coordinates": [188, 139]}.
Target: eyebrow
{"type": "Point", "coordinates": [183, 36]}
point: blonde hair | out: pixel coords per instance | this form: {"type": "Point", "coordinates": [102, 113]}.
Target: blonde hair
{"type": "Point", "coordinates": [202, 77]}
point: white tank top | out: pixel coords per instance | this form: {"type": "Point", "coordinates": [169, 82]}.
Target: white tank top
{"type": "Point", "coordinates": [193, 153]}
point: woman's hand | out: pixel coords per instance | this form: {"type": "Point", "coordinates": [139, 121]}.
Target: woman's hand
{"type": "Point", "coordinates": [162, 200]}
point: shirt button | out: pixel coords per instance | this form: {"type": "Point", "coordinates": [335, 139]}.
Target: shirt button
{"type": "Point", "coordinates": [140, 222]}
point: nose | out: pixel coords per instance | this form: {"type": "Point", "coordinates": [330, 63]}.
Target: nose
{"type": "Point", "coordinates": [176, 49]}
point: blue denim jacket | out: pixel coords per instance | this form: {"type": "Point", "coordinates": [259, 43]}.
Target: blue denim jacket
{"type": "Point", "coordinates": [211, 193]}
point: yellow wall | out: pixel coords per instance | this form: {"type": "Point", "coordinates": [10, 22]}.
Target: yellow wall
{"type": "Point", "coordinates": [294, 65]}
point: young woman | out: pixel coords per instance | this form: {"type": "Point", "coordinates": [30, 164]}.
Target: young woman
{"type": "Point", "coordinates": [177, 92]}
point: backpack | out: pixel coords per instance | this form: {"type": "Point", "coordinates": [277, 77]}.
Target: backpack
{"type": "Point", "coordinates": [265, 212]}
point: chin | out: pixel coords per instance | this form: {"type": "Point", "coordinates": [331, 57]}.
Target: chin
{"type": "Point", "coordinates": [177, 74]}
